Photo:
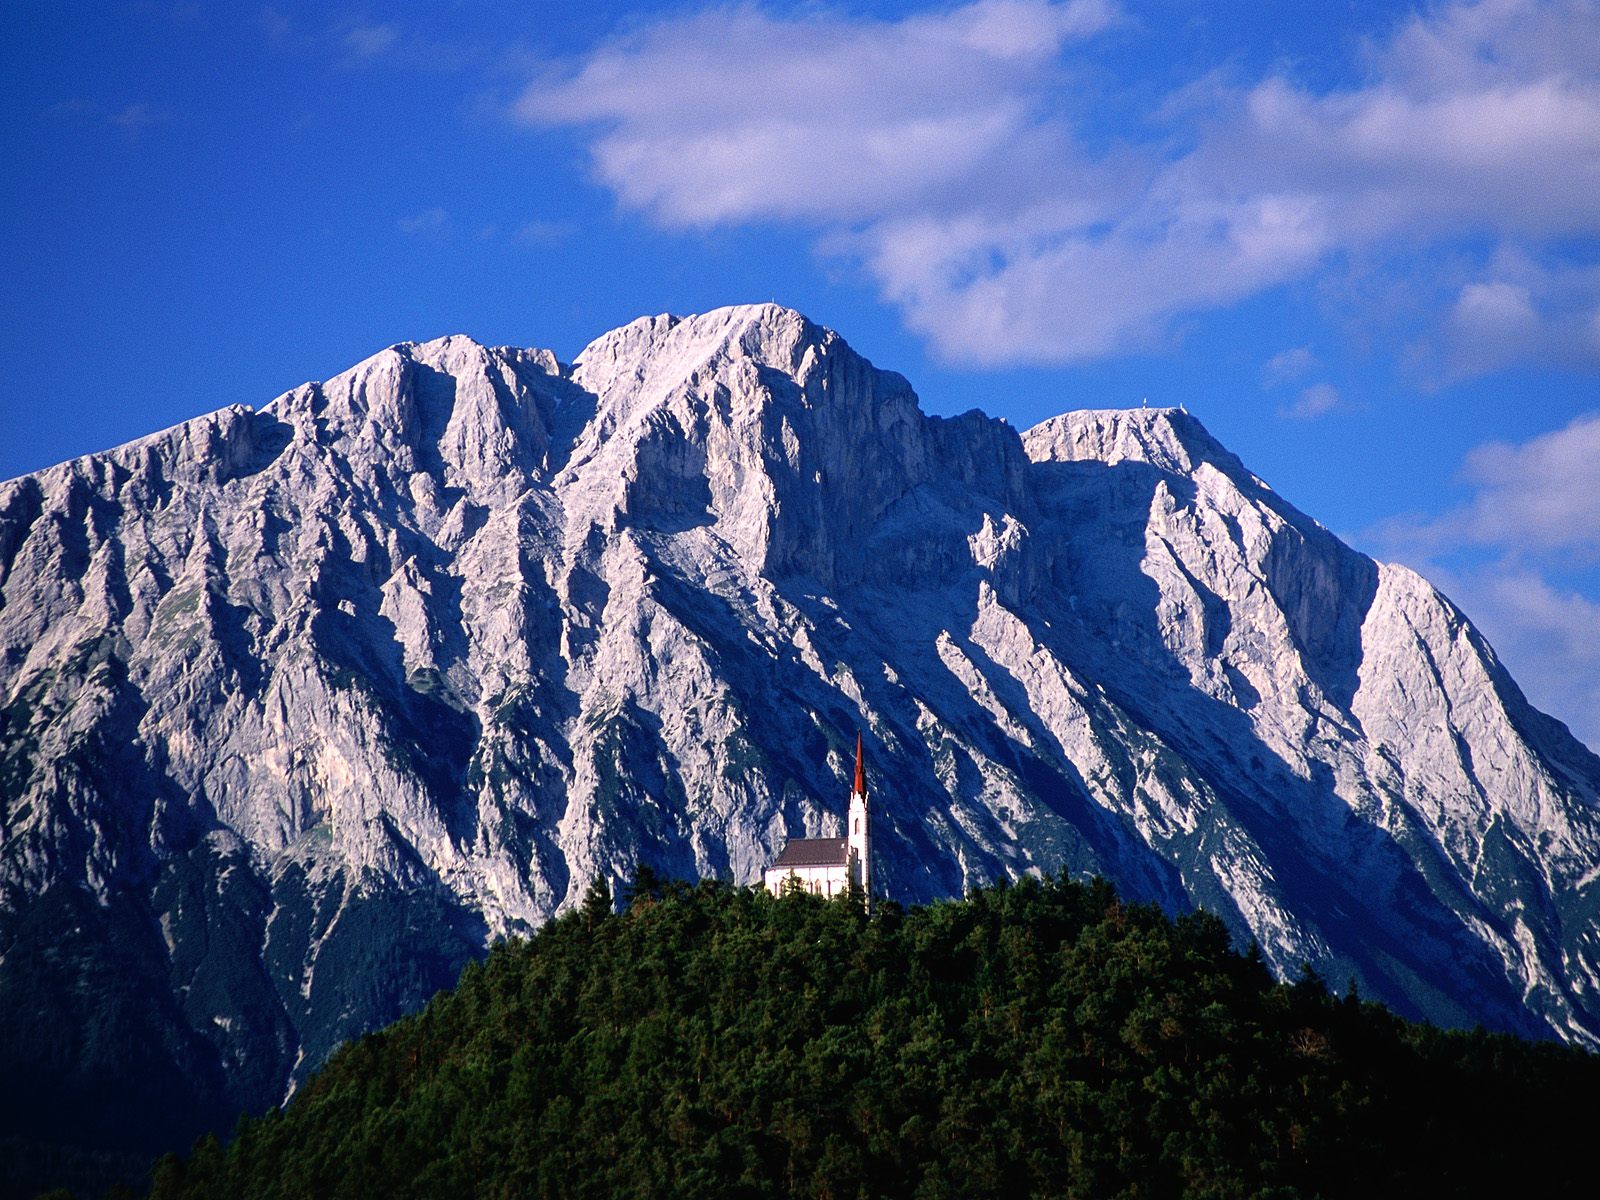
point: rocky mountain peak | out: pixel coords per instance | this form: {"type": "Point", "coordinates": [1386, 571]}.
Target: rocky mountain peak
{"type": "Point", "coordinates": [300, 706]}
{"type": "Point", "coordinates": [475, 417]}
{"type": "Point", "coordinates": [1169, 439]}
{"type": "Point", "coordinates": [656, 354]}
{"type": "Point", "coordinates": [732, 369]}
{"type": "Point", "coordinates": [751, 418]}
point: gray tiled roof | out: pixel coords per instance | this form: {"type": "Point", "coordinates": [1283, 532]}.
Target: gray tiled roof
{"type": "Point", "coordinates": [814, 852]}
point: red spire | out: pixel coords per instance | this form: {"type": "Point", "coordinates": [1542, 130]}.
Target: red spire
{"type": "Point", "coordinates": [861, 773]}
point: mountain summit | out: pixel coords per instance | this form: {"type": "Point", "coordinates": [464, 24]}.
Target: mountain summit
{"type": "Point", "coordinates": [304, 706]}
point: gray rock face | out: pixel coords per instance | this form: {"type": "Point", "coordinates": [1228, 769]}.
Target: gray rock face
{"type": "Point", "coordinates": [302, 706]}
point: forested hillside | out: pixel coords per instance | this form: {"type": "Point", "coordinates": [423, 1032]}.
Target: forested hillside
{"type": "Point", "coordinates": [1040, 1039]}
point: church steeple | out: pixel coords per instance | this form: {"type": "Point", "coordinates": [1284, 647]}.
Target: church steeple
{"type": "Point", "coordinates": [860, 840]}
{"type": "Point", "coordinates": [831, 866]}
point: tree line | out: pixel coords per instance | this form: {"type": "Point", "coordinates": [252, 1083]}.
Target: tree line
{"type": "Point", "coordinates": [1035, 1039]}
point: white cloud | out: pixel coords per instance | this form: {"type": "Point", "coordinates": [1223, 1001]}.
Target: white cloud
{"type": "Point", "coordinates": [939, 150]}
{"type": "Point", "coordinates": [1534, 501]}
{"type": "Point", "coordinates": [1489, 308]}
{"type": "Point", "coordinates": [735, 115]}
{"type": "Point", "coordinates": [541, 232]}
{"type": "Point", "coordinates": [132, 119]}
{"type": "Point", "coordinates": [430, 222]}
{"type": "Point", "coordinates": [1314, 401]}
{"type": "Point", "coordinates": [1288, 366]}
{"type": "Point", "coordinates": [1491, 325]}
{"type": "Point", "coordinates": [371, 41]}
{"type": "Point", "coordinates": [1521, 310]}
{"type": "Point", "coordinates": [1542, 495]}
{"type": "Point", "coordinates": [357, 43]}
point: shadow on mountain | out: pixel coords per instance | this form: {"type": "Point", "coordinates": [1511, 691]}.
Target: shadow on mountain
{"type": "Point", "coordinates": [1406, 946]}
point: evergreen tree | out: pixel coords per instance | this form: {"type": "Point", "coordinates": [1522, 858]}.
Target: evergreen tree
{"type": "Point", "coordinates": [1037, 1039]}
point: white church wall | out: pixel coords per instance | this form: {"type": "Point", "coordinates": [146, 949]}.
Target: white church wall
{"type": "Point", "coordinates": [821, 881]}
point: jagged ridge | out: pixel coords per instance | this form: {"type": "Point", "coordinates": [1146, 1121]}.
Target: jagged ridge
{"type": "Point", "coordinates": [304, 705]}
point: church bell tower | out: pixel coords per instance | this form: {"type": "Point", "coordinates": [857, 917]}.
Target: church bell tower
{"type": "Point", "coordinates": [860, 829]}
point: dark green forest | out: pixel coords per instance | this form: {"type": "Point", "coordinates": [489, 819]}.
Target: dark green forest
{"type": "Point", "coordinates": [1039, 1039]}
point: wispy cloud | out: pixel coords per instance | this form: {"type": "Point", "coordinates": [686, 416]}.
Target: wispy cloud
{"type": "Point", "coordinates": [360, 43]}
{"type": "Point", "coordinates": [430, 222]}
{"type": "Point", "coordinates": [939, 151]}
{"type": "Point", "coordinates": [371, 40]}
{"type": "Point", "coordinates": [540, 232]}
{"type": "Point", "coordinates": [1315, 401]}
{"type": "Point", "coordinates": [1288, 366]}
{"type": "Point", "coordinates": [276, 24]}
{"type": "Point", "coordinates": [185, 12]}
{"type": "Point", "coordinates": [131, 118]}
{"type": "Point", "coordinates": [1292, 366]}
{"type": "Point", "coordinates": [438, 224]}
{"type": "Point", "coordinates": [1522, 310]}
{"type": "Point", "coordinates": [1539, 499]}
{"type": "Point", "coordinates": [134, 117]}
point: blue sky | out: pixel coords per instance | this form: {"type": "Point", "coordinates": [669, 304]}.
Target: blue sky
{"type": "Point", "coordinates": [1360, 241]}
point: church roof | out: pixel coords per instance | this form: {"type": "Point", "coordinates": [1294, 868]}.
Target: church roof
{"type": "Point", "coordinates": [814, 852]}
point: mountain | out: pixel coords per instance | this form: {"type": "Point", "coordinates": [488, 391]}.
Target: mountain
{"type": "Point", "coordinates": [1042, 1039]}
{"type": "Point", "coordinates": [305, 705]}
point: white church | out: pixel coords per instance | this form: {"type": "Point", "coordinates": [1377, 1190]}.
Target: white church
{"type": "Point", "coordinates": [828, 866]}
